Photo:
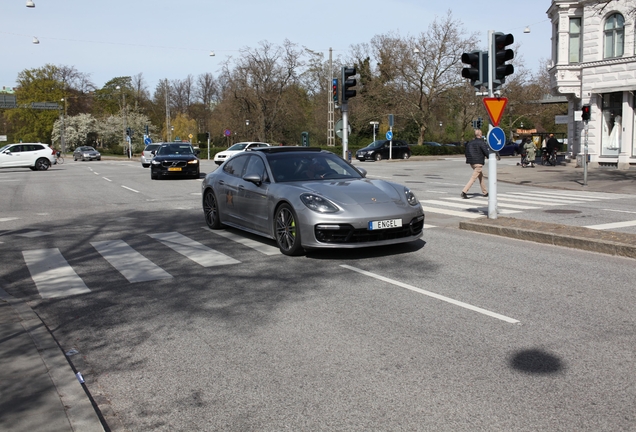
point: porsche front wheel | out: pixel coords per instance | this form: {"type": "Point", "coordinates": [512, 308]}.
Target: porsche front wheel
{"type": "Point", "coordinates": [287, 231]}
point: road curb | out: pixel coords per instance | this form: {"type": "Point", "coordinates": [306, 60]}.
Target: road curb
{"type": "Point", "coordinates": [610, 243]}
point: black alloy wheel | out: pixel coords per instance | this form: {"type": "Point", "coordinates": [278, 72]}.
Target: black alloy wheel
{"type": "Point", "coordinates": [287, 231]}
{"type": "Point", "coordinates": [42, 164]}
{"type": "Point", "coordinates": [211, 210]}
{"type": "Point", "coordinates": [406, 155]}
{"type": "Point", "coordinates": [378, 157]}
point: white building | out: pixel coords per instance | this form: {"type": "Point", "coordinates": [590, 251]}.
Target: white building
{"type": "Point", "coordinates": [594, 63]}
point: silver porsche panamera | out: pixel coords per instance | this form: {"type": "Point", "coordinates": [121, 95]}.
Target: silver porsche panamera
{"type": "Point", "coordinates": [307, 198]}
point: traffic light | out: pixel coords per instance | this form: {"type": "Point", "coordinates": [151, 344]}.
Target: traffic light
{"type": "Point", "coordinates": [147, 130]}
{"type": "Point", "coordinates": [128, 132]}
{"type": "Point", "coordinates": [586, 111]}
{"type": "Point", "coordinates": [347, 83]}
{"type": "Point", "coordinates": [477, 72]}
{"type": "Point", "coordinates": [500, 57]}
{"type": "Point", "coordinates": [207, 136]}
{"type": "Point", "coordinates": [335, 91]}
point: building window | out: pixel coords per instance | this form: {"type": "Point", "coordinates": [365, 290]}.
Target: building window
{"type": "Point", "coordinates": [614, 32]}
{"type": "Point", "coordinates": [575, 41]}
{"type": "Point", "coordinates": [612, 124]}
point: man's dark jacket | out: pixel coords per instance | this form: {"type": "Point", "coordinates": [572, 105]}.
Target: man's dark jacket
{"type": "Point", "coordinates": [552, 144]}
{"type": "Point", "coordinates": [476, 151]}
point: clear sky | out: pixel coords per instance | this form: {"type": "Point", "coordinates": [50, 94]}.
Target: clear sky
{"type": "Point", "coordinates": [171, 39]}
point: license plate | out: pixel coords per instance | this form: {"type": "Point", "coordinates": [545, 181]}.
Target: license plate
{"type": "Point", "coordinates": [384, 224]}
{"type": "Point", "coordinates": [174, 169]}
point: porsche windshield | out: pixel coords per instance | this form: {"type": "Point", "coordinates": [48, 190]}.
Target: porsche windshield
{"type": "Point", "coordinates": [302, 166]}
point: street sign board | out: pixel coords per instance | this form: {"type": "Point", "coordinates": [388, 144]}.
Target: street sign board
{"type": "Point", "coordinates": [495, 107]}
{"type": "Point", "coordinates": [561, 119]}
{"type": "Point", "coordinates": [8, 101]}
{"type": "Point", "coordinates": [389, 135]}
{"type": "Point", "coordinates": [227, 132]}
{"type": "Point", "coordinates": [496, 138]}
{"type": "Point", "coordinates": [147, 140]}
{"type": "Point", "coordinates": [45, 105]}
{"type": "Point", "coordinates": [339, 128]}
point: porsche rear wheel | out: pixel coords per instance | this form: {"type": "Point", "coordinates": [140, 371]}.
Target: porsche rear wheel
{"type": "Point", "coordinates": [211, 210]}
{"type": "Point", "coordinates": [287, 231]}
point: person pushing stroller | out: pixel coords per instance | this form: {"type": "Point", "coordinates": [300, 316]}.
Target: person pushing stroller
{"type": "Point", "coordinates": [528, 153]}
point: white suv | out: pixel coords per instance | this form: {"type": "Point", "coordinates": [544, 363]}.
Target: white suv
{"type": "Point", "coordinates": [221, 157]}
{"type": "Point", "coordinates": [36, 156]}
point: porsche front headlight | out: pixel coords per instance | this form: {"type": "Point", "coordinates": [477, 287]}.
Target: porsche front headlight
{"type": "Point", "coordinates": [318, 204]}
{"type": "Point", "coordinates": [410, 196]}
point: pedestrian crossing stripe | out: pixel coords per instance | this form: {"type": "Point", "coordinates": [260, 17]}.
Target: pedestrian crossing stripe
{"type": "Point", "coordinates": [256, 245]}
{"type": "Point", "coordinates": [131, 264]}
{"type": "Point", "coordinates": [197, 252]}
{"type": "Point", "coordinates": [52, 274]}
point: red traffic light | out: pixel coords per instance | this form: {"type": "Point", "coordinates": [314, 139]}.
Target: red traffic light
{"type": "Point", "coordinates": [586, 111]}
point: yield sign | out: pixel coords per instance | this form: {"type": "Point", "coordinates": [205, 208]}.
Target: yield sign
{"type": "Point", "coordinates": [495, 107]}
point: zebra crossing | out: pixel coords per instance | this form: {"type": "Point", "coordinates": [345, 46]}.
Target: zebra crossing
{"type": "Point", "coordinates": [54, 277]}
{"type": "Point", "coordinates": [510, 202]}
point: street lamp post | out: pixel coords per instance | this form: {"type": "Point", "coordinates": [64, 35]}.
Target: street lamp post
{"type": "Point", "coordinates": [127, 139]}
{"type": "Point", "coordinates": [373, 125]}
{"type": "Point", "coordinates": [62, 138]}
{"type": "Point", "coordinates": [247, 124]}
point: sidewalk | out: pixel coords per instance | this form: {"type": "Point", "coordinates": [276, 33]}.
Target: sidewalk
{"type": "Point", "coordinates": [40, 391]}
{"type": "Point", "coordinates": [564, 176]}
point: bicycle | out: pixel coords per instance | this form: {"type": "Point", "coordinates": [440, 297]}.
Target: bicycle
{"type": "Point", "coordinates": [59, 158]}
{"type": "Point", "coordinates": [549, 158]}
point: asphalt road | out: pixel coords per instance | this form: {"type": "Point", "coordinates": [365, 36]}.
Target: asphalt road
{"type": "Point", "coordinates": [459, 331]}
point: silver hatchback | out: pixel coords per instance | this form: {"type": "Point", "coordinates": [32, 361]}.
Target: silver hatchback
{"type": "Point", "coordinates": [146, 155]}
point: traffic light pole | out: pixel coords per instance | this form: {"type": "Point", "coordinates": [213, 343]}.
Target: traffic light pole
{"type": "Point", "coordinates": [492, 156]}
{"type": "Point", "coordinates": [345, 131]}
{"type": "Point", "coordinates": [585, 155]}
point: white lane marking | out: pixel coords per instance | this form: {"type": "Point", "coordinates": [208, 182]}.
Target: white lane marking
{"type": "Point", "coordinates": [612, 225]}
{"type": "Point", "coordinates": [589, 195]}
{"type": "Point", "coordinates": [191, 249]}
{"type": "Point", "coordinates": [466, 206]}
{"type": "Point", "coordinates": [429, 226]}
{"type": "Point", "coordinates": [33, 234]}
{"type": "Point", "coordinates": [433, 295]}
{"type": "Point", "coordinates": [525, 201]}
{"type": "Point", "coordinates": [568, 196]}
{"type": "Point", "coordinates": [96, 173]}
{"type": "Point", "coordinates": [107, 179]}
{"type": "Point", "coordinates": [547, 200]}
{"type": "Point", "coordinates": [447, 212]}
{"type": "Point", "coordinates": [52, 274]}
{"type": "Point", "coordinates": [131, 264]}
{"type": "Point", "coordinates": [620, 211]}
{"type": "Point", "coordinates": [258, 246]}
{"type": "Point", "coordinates": [499, 204]}
{"type": "Point", "coordinates": [7, 219]}
{"type": "Point", "coordinates": [126, 187]}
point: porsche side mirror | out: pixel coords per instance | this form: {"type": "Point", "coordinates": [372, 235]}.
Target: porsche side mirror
{"type": "Point", "coordinates": [362, 171]}
{"type": "Point", "coordinates": [253, 178]}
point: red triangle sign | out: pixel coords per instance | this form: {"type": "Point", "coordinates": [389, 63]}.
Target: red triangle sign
{"type": "Point", "coordinates": [495, 107]}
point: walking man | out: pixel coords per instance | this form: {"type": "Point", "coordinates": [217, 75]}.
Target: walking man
{"type": "Point", "coordinates": [476, 152]}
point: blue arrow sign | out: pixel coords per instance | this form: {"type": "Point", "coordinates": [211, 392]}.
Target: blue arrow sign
{"type": "Point", "coordinates": [389, 135]}
{"type": "Point", "coordinates": [147, 140]}
{"type": "Point", "coordinates": [496, 138]}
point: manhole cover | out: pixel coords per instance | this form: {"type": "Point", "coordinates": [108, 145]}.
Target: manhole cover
{"type": "Point", "coordinates": [556, 211]}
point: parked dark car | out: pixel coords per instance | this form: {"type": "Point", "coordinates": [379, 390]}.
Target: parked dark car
{"type": "Point", "coordinates": [511, 148]}
{"type": "Point", "coordinates": [432, 144]}
{"type": "Point", "coordinates": [379, 150]}
{"type": "Point", "coordinates": [174, 159]}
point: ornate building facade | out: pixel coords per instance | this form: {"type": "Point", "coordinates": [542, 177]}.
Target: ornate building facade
{"type": "Point", "coordinates": [594, 63]}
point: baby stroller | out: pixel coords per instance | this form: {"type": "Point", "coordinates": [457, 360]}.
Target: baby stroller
{"type": "Point", "coordinates": [524, 158]}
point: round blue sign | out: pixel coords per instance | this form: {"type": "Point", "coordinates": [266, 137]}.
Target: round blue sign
{"type": "Point", "coordinates": [389, 135]}
{"type": "Point", "coordinates": [147, 140]}
{"type": "Point", "coordinates": [496, 138]}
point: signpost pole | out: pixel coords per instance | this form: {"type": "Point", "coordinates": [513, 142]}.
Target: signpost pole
{"type": "Point", "coordinates": [345, 130]}
{"type": "Point", "coordinates": [492, 157]}
{"type": "Point", "coordinates": [585, 155]}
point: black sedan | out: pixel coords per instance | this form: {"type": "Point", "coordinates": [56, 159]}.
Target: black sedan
{"type": "Point", "coordinates": [379, 150]}
{"type": "Point", "coordinates": [174, 159]}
